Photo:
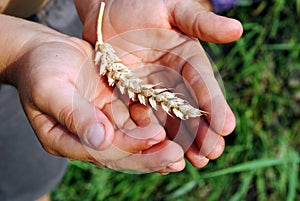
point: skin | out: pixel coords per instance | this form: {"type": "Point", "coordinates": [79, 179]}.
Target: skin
{"type": "Point", "coordinates": [125, 20]}
{"type": "Point", "coordinates": [71, 109]}
{"type": "Point", "coordinates": [65, 100]}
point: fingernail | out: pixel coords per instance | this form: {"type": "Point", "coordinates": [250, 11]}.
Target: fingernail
{"type": "Point", "coordinates": [177, 166]}
{"type": "Point", "coordinates": [96, 135]}
{"type": "Point", "coordinates": [153, 142]}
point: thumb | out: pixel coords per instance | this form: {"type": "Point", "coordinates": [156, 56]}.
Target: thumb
{"type": "Point", "coordinates": [192, 19]}
{"type": "Point", "coordinates": [78, 116]}
{"type": "Point", "coordinates": [64, 133]}
{"type": "Point", "coordinates": [90, 124]}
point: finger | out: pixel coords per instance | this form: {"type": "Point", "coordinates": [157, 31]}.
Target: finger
{"type": "Point", "coordinates": [209, 95]}
{"type": "Point", "coordinates": [131, 137]}
{"type": "Point", "coordinates": [118, 113]}
{"type": "Point", "coordinates": [177, 132]}
{"type": "Point", "coordinates": [142, 115]}
{"type": "Point", "coordinates": [195, 157]}
{"type": "Point", "coordinates": [167, 156]}
{"type": "Point", "coordinates": [200, 82]}
{"type": "Point", "coordinates": [126, 144]}
{"type": "Point", "coordinates": [137, 139]}
{"type": "Point", "coordinates": [210, 143]}
{"type": "Point", "coordinates": [189, 139]}
{"type": "Point", "coordinates": [192, 19]}
{"type": "Point", "coordinates": [56, 139]}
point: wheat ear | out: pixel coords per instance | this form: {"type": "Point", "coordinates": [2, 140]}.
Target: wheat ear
{"type": "Point", "coordinates": [118, 74]}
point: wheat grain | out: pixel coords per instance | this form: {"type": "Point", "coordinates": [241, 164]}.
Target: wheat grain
{"type": "Point", "coordinates": [118, 74]}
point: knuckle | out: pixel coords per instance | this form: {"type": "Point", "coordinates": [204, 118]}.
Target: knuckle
{"type": "Point", "coordinates": [67, 118]}
{"type": "Point", "coordinates": [217, 150]}
{"type": "Point", "coordinates": [50, 150]}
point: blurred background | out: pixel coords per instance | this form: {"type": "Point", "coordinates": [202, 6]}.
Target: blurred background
{"type": "Point", "coordinates": [261, 76]}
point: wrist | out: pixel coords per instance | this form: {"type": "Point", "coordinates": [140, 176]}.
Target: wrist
{"type": "Point", "coordinates": [18, 36]}
{"type": "Point", "coordinates": [14, 34]}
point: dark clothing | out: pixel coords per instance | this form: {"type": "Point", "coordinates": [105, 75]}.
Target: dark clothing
{"type": "Point", "coordinates": [26, 171]}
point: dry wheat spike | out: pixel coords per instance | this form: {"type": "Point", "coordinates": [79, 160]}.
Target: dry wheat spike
{"type": "Point", "coordinates": [118, 74]}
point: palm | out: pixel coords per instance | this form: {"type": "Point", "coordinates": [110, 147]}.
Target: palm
{"type": "Point", "coordinates": [164, 57]}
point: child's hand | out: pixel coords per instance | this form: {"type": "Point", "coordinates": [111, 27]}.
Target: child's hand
{"type": "Point", "coordinates": [71, 108]}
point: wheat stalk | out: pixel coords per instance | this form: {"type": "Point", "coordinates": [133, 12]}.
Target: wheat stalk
{"type": "Point", "coordinates": [118, 74]}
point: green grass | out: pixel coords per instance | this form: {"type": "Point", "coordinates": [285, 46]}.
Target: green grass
{"type": "Point", "coordinates": [261, 75]}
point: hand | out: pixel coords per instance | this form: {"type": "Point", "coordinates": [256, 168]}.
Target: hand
{"type": "Point", "coordinates": [70, 109]}
{"type": "Point", "coordinates": [175, 16]}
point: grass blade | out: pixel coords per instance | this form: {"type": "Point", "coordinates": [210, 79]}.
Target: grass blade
{"type": "Point", "coordinates": [293, 178]}
{"type": "Point", "coordinates": [262, 163]}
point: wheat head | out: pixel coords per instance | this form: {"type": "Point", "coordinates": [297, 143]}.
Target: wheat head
{"type": "Point", "coordinates": [118, 74]}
